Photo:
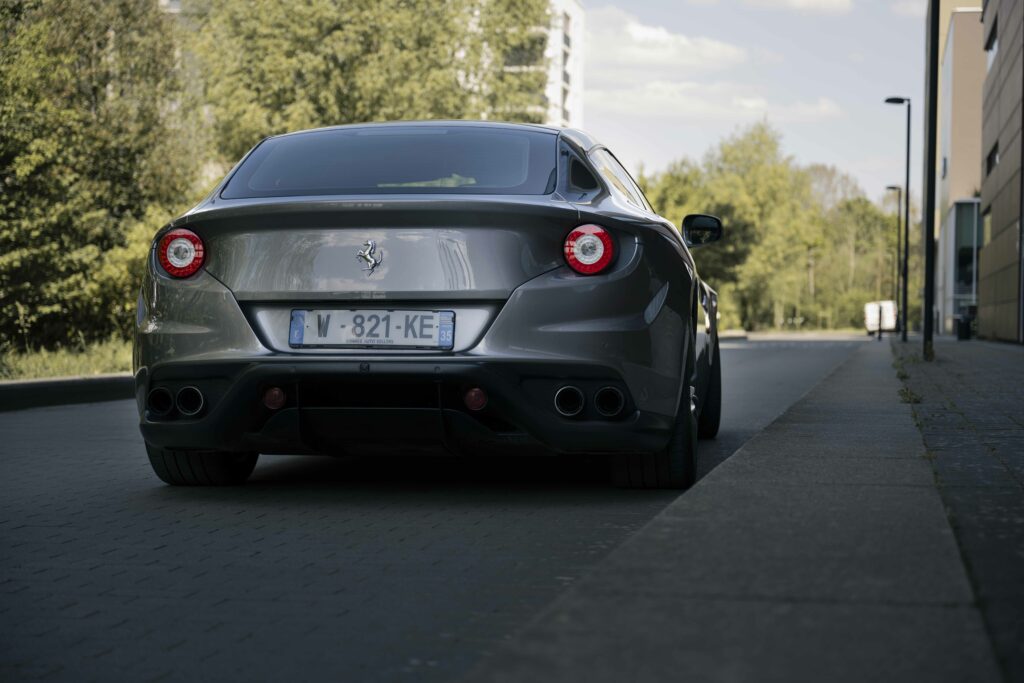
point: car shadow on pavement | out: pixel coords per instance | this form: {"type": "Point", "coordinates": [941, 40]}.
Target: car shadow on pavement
{"type": "Point", "coordinates": [329, 486]}
{"type": "Point", "coordinates": [423, 470]}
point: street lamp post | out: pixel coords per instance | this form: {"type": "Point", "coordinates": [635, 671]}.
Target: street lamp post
{"type": "Point", "coordinates": [899, 204]}
{"type": "Point", "coordinates": [906, 218]}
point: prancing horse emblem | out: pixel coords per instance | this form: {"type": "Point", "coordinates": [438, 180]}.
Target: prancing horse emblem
{"type": "Point", "coordinates": [368, 257]}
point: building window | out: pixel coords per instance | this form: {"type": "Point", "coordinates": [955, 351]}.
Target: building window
{"type": "Point", "coordinates": [945, 166]}
{"type": "Point", "coordinates": [992, 160]}
{"type": "Point", "coordinates": [966, 229]}
{"type": "Point", "coordinates": [992, 45]}
{"type": "Point", "coordinates": [529, 53]}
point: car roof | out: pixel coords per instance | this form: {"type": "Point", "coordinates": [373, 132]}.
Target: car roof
{"type": "Point", "coordinates": [580, 138]}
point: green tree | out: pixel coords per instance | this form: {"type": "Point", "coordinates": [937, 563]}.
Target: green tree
{"type": "Point", "coordinates": [860, 262]}
{"type": "Point", "coordinates": [683, 188]}
{"type": "Point", "coordinates": [803, 247]}
{"type": "Point", "coordinates": [766, 205]}
{"type": "Point", "coordinates": [93, 133]}
{"type": "Point", "coordinates": [274, 67]}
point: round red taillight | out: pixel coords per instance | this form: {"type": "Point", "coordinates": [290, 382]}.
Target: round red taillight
{"type": "Point", "coordinates": [589, 249]}
{"type": "Point", "coordinates": [181, 252]}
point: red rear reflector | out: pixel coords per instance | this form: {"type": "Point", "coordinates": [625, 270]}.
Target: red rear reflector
{"type": "Point", "coordinates": [475, 399]}
{"type": "Point", "coordinates": [180, 252]}
{"type": "Point", "coordinates": [589, 249]}
{"type": "Point", "coordinates": [274, 398]}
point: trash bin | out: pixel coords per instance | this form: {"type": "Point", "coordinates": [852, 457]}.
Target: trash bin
{"type": "Point", "coordinates": [963, 328]}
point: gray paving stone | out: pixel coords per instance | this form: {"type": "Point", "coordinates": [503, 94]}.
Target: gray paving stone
{"type": "Point", "coordinates": [867, 543]}
{"type": "Point", "coordinates": [835, 465]}
{"type": "Point", "coordinates": [591, 640]}
{"type": "Point", "coordinates": [970, 417]}
{"type": "Point", "coordinates": [1005, 619]}
{"type": "Point", "coordinates": [316, 570]}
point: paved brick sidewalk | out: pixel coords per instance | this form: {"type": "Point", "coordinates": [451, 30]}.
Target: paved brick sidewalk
{"type": "Point", "coordinates": [316, 570]}
{"type": "Point", "coordinates": [971, 414]}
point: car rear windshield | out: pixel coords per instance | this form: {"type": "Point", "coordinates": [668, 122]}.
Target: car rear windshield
{"type": "Point", "coordinates": [399, 160]}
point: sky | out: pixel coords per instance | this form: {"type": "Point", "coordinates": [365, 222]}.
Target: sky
{"type": "Point", "coordinates": [666, 79]}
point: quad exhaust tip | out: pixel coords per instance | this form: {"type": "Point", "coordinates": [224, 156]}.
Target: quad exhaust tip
{"type": "Point", "coordinates": [160, 402]}
{"type": "Point", "coordinates": [569, 401]}
{"type": "Point", "coordinates": [609, 401]}
{"type": "Point", "coordinates": [189, 401]}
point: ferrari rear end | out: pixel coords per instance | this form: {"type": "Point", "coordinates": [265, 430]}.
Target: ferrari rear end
{"type": "Point", "coordinates": [403, 287]}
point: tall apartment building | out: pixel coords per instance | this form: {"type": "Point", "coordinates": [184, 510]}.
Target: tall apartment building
{"type": "Point", "coordinates": [564, 56]}
{"type": "Point", "coordinates": [1000, 272]}
{"type": "Point", "coordinates": [961, 74]}
{"type": "Point", "coordinates": [554, 51]}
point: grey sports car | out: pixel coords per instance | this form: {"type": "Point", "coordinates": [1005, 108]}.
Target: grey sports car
{"type": "Point", "coordinates": [466, 287]}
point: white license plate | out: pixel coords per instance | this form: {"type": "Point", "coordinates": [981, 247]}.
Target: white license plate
{"type": "Point", "coordinates": [366, 327]}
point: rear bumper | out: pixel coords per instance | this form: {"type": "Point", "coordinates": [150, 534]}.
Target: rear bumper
{"type": "Point", "coordinates": [350, 405]}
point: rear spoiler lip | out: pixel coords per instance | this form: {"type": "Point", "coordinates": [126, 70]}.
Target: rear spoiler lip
{"type": "Point", "coordinates": [366, 206]}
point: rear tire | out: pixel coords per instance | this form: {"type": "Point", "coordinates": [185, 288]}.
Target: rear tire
{"type": "Point", "coordinates": [711, 412]}
{"type": "Point", "coordinates": [201, 468]}
{"type": "Point", "coordinates": [674, 467]}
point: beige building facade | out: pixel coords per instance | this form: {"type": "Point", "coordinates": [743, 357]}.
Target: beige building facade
{"type": "Point", "coordinates": [962, 71]}
{"type": "Point", "coordinates": [1000, 276]}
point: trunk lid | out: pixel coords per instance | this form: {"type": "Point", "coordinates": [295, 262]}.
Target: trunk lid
{"type": "Point", "coordinates": [437, 249]}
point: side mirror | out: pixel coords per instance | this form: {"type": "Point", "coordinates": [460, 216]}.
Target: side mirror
{"type": "Point", "coordinates": [700, 229]}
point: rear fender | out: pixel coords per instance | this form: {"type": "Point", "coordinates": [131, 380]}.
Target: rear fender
{"type": "Point", "coordinates": [636, 319]}
{"type": "Point", "coordinates": [195, 318]}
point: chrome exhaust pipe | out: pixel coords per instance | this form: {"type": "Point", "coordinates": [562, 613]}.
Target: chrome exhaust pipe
{"type": "Point", "coordinates": [189, 401]}
{"type": "Point", "coordinates": [160, 402]}
{"type": "Point", "coordinates": [609, 401]}
{"type": "Point", "coordinates": [569, 401]}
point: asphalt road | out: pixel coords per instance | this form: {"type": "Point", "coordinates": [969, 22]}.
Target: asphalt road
{"type": "Point", "coordinates": [380, 569]}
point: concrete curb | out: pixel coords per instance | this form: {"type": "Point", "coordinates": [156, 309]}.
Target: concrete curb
{"type": "Point", "coordinates": [34, 393]}
{"type": "Point", "coordinates": [820, 551]}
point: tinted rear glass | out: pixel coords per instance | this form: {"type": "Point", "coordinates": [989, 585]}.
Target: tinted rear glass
{"type": "Point", "coordinates": [399, 160]}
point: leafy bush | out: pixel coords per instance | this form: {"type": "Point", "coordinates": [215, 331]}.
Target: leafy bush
{"type": "Point", "coordinates": [95, 132]}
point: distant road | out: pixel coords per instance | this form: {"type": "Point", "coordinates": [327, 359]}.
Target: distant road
{"type": "Point", "coordinates": [363, 570]}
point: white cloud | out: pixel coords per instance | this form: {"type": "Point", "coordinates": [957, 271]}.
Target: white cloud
{"type": "Point", "coordinates": [824, 6]}
{"type": "Point", "coordinates": [767, 56]}
{"type": "Point", "coordinates": [910, 8]}
{"type": "Point", "coordinates": [808, 112]}
{"type": "Point", "coordinates": [621, 49]}
{"type": "Point", "coordinates": [704, 103]}
{"type": "Point", "coordinates": [640, 72]}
